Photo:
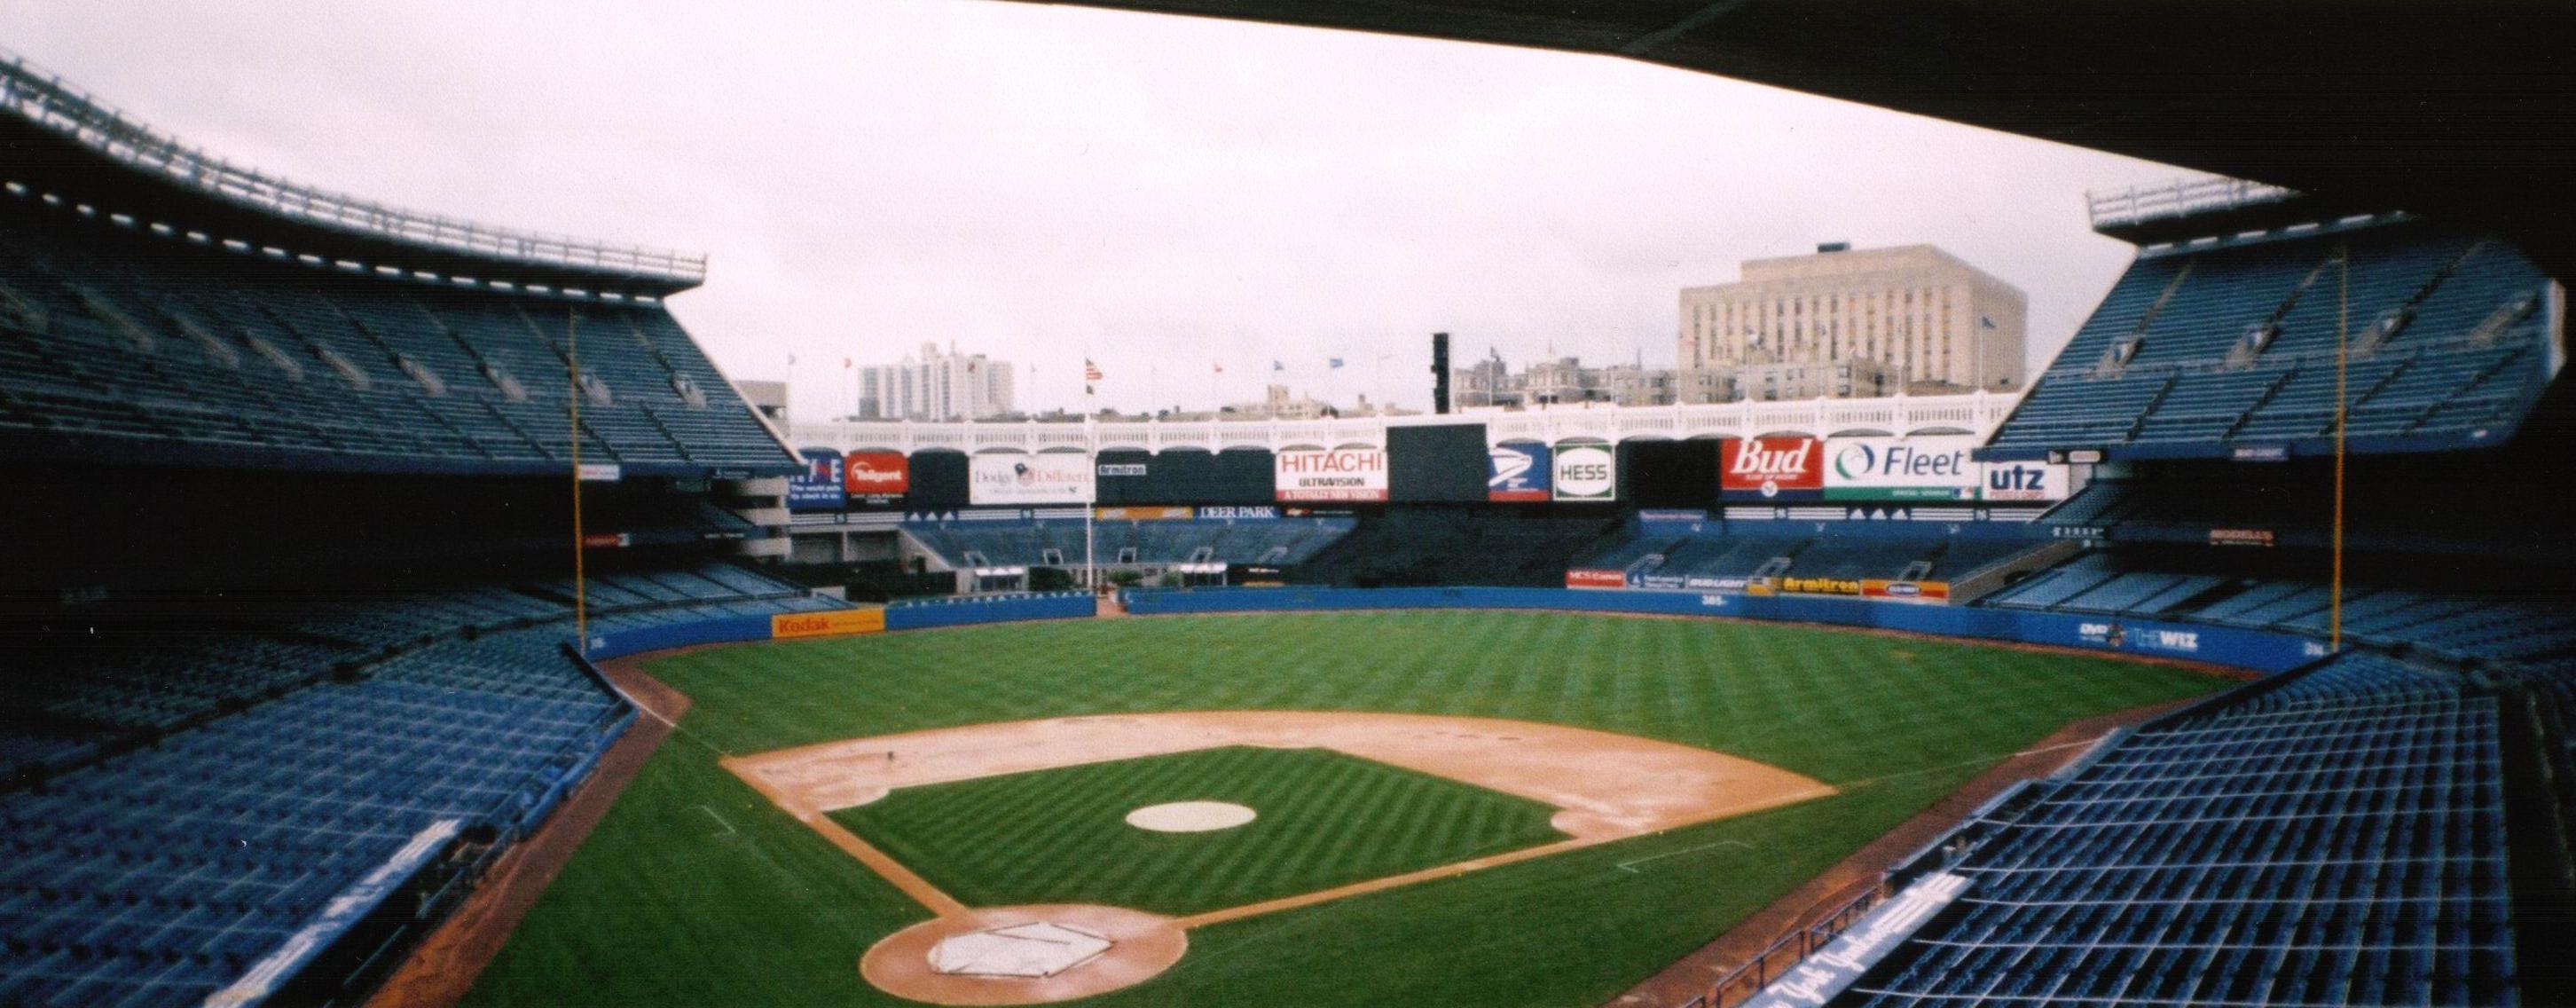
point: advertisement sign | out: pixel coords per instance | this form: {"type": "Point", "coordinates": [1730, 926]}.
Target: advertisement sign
{"type": "Point", "coordinates": [1143, 514]}
{"type": "Point", "coordinates": [1343, 474]}
{"type": "Point", "coordinates": [1702, 582]}
{"type": "Point", "coordinates": [1516, 471]}
{"type": "Point", "coordinates": [599, 472]}
{"type": "Point", "coordinates": [2024, 481]}
{"type": "Point", "coordinates": [1586, 472]}
{"type": "Point", "coordinates": [1674, 516]}
{"type": "Point", "coordinates": [1255, 512]}
{"type": "Point", "coordinates": [787, 626]}
{"type": "Point", "coordinates": [1912, 469]}
{"type": "Point", "coordinates": [1771, 468]}
{"type": "Point", "coordinates": [878, 477]}
{"type": "Point", "coordinates": [818, 488]}
{"type": "Point", "coordinates": [1905, 591]}
{"type": "Point", "coordinates": [1122, 468]}
{"type": "Point", "coordinates": [2240, 537]}
{"type": "Point", "coordinates": [1818, 585]}
{"type": "Point", "coordinates": [1047, 478]}
{"type": "Point", "coordinates": [1596, 579]}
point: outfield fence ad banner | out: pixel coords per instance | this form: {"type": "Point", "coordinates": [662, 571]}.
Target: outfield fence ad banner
{"type": "Point", "coordinates": [1595, 579]}
{"type": "Point", "coordinates": [835, 623]}
{"type": "Point", "coordinates": [1517, 471]}
{"type": "Point", "coordinates": [1143, 513]}
{"type": "Point", "coordinates": [1343, 474]}
{"type": "Point", "coordinates": [1905, 591]}
{"type": "Point", "coordinates": [1043, 478]}
{"type": "Point", "coordinates": [1586, 471]}
{"type": "Point", "coordinates": [818, 488]}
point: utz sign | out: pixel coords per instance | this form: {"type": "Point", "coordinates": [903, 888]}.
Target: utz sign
{"type": "Point", "coordinates": [1345, 474]}
{"type": "Point", "coordinates": [2023, 481]}
{"type": "Point", "coordinates": [1771, 468]}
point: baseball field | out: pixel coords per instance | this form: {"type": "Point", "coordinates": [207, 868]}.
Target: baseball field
{"type": "Point", "coordinates": [1495, 808]}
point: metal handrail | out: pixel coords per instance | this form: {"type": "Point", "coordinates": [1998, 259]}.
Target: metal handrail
{"type": "Point", "coordinates": [2179, 198]}
{"type": "Point", "coordinates": [43, 98]}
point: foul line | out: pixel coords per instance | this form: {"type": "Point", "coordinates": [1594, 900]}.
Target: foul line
{"type": "Point", "coordinates": [929, 896]}
{"type": "Point", "coordinates": [1630, 866]}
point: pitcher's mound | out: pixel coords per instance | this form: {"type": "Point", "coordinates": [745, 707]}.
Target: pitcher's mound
{"type": "Point", "coordinates": [1190, 817]}
{"type": "Point", "coordinates": [1023, 955]}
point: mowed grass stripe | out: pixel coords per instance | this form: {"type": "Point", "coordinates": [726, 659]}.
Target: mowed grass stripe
{"type": "Point", "coordinates": [663, 907]}
{"type": "Point", "coordinates": [1324, 819]}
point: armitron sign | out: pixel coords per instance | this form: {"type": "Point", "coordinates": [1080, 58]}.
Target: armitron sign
{"type": "Point", "coordinates": [1344, 474]}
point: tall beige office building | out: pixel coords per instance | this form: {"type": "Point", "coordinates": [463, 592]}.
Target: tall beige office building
{"type": "Point", "coordinates": [1933, 322]}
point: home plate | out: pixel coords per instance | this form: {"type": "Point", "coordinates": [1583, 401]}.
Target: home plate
{"type": "Point", "coordinates": [1034, 950]}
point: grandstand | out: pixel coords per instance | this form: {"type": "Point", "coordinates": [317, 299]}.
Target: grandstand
{"type": "Point", "coordinates": [294, 663]}
{"type": "Point", "coordinates": [296, 657]}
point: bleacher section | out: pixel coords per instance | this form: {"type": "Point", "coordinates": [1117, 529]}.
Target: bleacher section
{"type": "Point", "coordinates": [2339, 839]}
{"type": "Point", "coordinates": [292, 751]}
{"type": "Point", "coordinates": [2198, 350]}
{"type": "Point", "coordinates": [2379, 608]}
{"type": "Point", "coordinates": [1834, 555]}
{"type": "Point", "coordinates": [1456, 546]}
{"type": "Point", "coordinates": [157, 343]}
{"type": "Point", "coordinates": [1057, 542]}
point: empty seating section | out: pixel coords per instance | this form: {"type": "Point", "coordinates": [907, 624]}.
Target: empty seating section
{"type": "Point", "coordinates": [108, 333]}
{"type": "Point", "coordinates": [1457, 546]}
{"type": "Point", "coordinates": [1059, 543]}
{"type": "Point", "coordinates": [2447, 336]}
{"type": "Point", "coordinates": [2528, 627]}
{"type": "Point", "coordinates": [151, 876]}
{"type": "Point", "coordinates": [2339, 839]}
{"type": "Point", "coordinates": [1715, 555]}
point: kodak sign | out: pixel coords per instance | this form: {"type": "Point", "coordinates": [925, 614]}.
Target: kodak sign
{"type": "Point", "coordinates": [838, 623]}
{"type": "Point", "coordinates": [1771, 468]}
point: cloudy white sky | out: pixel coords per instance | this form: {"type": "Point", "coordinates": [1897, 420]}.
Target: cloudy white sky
{"type": "Point", "coordinates": [1044, 184]}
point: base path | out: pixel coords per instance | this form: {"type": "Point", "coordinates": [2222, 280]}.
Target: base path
{"type": "Point", "coordinates": [1605, 786]}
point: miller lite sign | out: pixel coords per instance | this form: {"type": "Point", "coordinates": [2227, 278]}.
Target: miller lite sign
{"type": "Point", "coordinates": [1771, 468]}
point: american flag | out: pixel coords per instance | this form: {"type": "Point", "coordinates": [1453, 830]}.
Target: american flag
{"type": "Point", "coordinates": [1090, 371]}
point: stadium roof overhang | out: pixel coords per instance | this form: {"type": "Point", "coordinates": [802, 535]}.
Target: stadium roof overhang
{"type": "Point", "coordinates": [2455, 109]}
{"type": "Point", "coordinates": [48, 161]}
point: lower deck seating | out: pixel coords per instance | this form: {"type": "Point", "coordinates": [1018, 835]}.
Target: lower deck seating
{"type": "Point", "coordinates": [158, 875]}
{"type": "Point", "coordinates": [2338, 839]}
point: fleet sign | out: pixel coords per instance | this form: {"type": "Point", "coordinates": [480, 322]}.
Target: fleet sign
{"type": "Point", "coordinates": [1045, 478]}
{"type": "Point", "coordinates": [1772, 468]}
{"type": "Point", "coordinates": [1516, 471]}
{"type": "Point", "coordinates": [1913, 469]}
{"type": "Point", "coordinates": [1586, 472]}
{"type": "Point", "coordinates": [1343, 474]}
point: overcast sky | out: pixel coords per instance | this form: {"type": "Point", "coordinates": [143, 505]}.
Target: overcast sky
{"type": "Point", "coordinates": [1044, 183]}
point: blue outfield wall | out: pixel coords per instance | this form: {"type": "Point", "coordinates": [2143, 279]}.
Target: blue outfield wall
{"type": "Point", "coordinates": [2249, 649]}
{"type": "Point", "coordinates": [921, 615]}
{"type": "Point", "coordinates": [927, 613]}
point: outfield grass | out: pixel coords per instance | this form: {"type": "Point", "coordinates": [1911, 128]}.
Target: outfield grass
{"type": "Point", "coordinates": [1060, 836]}
{"type": "Point", "coordinates": [694, 890]}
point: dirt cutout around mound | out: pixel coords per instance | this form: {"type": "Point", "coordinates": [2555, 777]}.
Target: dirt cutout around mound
{"type": "Point", "coordinates": [1606, 787]}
